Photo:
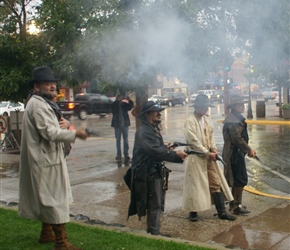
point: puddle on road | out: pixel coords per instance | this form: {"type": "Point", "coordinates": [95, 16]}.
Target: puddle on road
{"type": "Point", "coordinates": [260, 232]}
{"type": "Point", "coordinates": [9, 170]}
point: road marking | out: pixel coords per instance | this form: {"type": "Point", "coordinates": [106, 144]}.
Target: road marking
{"type": "Point", "coordinates": [263, 122]}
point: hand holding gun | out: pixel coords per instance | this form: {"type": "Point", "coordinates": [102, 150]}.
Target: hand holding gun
{"type": "Point", "coordinates": [91, 132]}
{"type": "Point", "coordinates": [219, 158]}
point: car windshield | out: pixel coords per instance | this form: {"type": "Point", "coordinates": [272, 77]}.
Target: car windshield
{"type": "Point", "coordinates": [3, 104]}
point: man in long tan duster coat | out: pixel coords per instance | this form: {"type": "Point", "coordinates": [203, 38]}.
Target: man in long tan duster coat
{"type": "Point", "coordinates": [44, 187]}
{"type": "Point", "coordinates": [201, 178]}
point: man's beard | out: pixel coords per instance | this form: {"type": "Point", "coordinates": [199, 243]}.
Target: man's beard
{"type": "Point", "coordinates": [157, 120]}
{"type": "Point", "coordinates": [49, 96]}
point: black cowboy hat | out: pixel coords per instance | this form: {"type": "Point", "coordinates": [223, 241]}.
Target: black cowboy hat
{"type": "Point", "coordinates": [42, 74]}
{"type": "Point", "coordinates": [234, 100]}
{"type": "Point", "coordinates": [202, 101]}
{"type": "Point", "coordinates": [150, 106]}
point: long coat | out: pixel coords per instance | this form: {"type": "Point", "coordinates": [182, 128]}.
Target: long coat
{"type": "Point", "coordinates": [196, 194]}
{"type": "Point", "coordinates": [44, 186]}
{"type": "Point", "coordinates": [149, 151]}
{"type": "Point", "coordinates": [235, 140]}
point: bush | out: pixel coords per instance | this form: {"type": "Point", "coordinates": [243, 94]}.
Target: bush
{"type": "Point", "coordinates": [286, 106]}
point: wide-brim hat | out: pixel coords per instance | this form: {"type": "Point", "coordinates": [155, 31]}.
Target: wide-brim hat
{"type": "Point", "coordinates": [234, 100]}
{"type": "Point", "coordinates": [42, 74]}
{"type": "Point", "coordinates": [150, 106]}
{"type": "Point", "coordinates": [202, 101]}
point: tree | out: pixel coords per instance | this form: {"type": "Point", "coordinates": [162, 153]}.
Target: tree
{"type": "Point", "coordinates": [18, 50]}
{"type": "Point", "coordinates": [263, 29]}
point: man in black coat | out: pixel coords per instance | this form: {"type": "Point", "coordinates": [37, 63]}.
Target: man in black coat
{"type": "Point", "coordinates": [149, 176]}
{"type": "Point", "coordinates": [235, 148]}
{"type": "Point", "coordinates": [121, 123]}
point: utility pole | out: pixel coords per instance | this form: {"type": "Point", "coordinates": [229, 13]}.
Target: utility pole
{"type": "Point", "coordinates": [226, 92]}
{"type": "Point", "coordinates": [250, 112]}
{"type": "Point", "coordinates": [226, 69]}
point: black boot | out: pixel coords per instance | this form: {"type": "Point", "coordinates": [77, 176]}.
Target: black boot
{"type": "Point", "coordinates": [238, 208]}
{"type": "Point", "coordinates": [193, 216]}
{"type": "Point", "coordinates": [218, 198]}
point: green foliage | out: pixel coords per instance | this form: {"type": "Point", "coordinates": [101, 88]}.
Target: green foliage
{"type": "Point", "coordinates": [263, 26]}
{"type": "Point", "coordinates": [18, 233]}
{"type": "Point", "coordinates": [286, 106]}
{"type": "Point", "coordinates": [127, 43]}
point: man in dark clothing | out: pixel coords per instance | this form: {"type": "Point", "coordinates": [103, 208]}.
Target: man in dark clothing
{"type": "Point", "coordinates": [121, 123]}
{"type": "Point", "coordinates": [235, 148]}
{"type": "Point", "coordinates": [149, 176]}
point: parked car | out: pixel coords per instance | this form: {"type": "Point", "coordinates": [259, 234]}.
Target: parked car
{"type": "Point", "coordinates": [86, 104]}
{"type": "Point", "coordinates": [270, 94]}
{"type": "Point", "coordinates": [7, 107]}
{"type": "Point", "coordinates": [257, 94]}
{"type": "Point", "coordinates": [156, 98]}
{"type": "Point", "coordinates": [173, 98]}
{"type": "Point", "coordinates": [207, 92]}
{"type": "Point", "coordinates": [217, 96]}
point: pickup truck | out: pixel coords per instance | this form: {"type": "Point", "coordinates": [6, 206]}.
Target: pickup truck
{"type": "Point", "coordinates": [270, 94]}
{"type": "Point", "coordinates": [86, 104]}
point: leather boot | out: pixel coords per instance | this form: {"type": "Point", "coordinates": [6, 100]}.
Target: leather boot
{"type": "Point", "coordinates": [218, 198]}
{"type": "Point", "coordinates": [238, 208]}
{"type": "Point", "coordinates": [231, 204]}
{"type": "Point", "coordinates": [61, 240]}
{"type": "Point", "coordinates": [46, 234]}
{"type": "Point", "coordinates": [193, 216]}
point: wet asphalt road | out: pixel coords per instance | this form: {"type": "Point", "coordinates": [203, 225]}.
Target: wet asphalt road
{"type": "Point", "coordinates": [100, 193]}
{"type": "Point", "coordinates": [271, 142]}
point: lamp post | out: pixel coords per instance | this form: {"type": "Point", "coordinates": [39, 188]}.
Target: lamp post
{"type": "Point", "coordinates": [227, 68]}
{"type": "Point", "coordinates": [250, 113]}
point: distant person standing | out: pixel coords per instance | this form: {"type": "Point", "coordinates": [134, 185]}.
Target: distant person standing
{"type": "Point", "coordinates": [235, 148]}
{"type": "Point", "coordinates": [121, 123]}
{"type": "Point", "coordinates": [44, 186]}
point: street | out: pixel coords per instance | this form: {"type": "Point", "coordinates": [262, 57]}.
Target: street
{"type": "Point", "coordinates": [101, 195]}
{"type": "Point", "coordinates": [271, 142]}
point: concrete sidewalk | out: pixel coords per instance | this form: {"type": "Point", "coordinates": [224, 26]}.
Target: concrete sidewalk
{"type": "Point", "coordinates": [101, 198]}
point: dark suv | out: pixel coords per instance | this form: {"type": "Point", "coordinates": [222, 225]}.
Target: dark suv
{"type": "Point", "coordinates": [172, 98]}
{"type": "Point", "coordinates": [92, 104]}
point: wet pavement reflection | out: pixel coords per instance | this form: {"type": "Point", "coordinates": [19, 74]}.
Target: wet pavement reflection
{"type": "Point", "coordinates": [9, 170]}
{"type": "Point", "coordinates": [269, 230]}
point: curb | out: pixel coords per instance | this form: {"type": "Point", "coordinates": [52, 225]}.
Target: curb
{"type": "Point", "coordinates": [264, 122]}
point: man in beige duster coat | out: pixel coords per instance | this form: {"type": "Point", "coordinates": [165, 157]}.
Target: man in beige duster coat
{"type": "Point", "coordinates": [201, 178]}
{"type": "Point", "coordinates": [44, 189]}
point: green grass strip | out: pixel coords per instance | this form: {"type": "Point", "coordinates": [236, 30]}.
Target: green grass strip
{"type": "Point", "coordinates": [18, 233]}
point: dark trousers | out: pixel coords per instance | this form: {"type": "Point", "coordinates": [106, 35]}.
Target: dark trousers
{"type": "Point", "coordinates": [122, 131]}
{"type": "Point", "coordinates": [155, 206]}
{"type": "Point", "coordinates": [239, 169]}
